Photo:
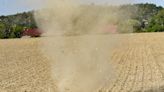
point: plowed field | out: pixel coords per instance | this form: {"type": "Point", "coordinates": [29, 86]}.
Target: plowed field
{"type": "Point", "coordinates": [138, 61]}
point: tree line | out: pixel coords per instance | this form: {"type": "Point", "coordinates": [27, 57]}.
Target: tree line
{"type": "Point", "coordinates": [144, 18]}
{"type": "Point", "coordinates": [149, 17]}
{"type": "Point", "coordinates": [12, 26]}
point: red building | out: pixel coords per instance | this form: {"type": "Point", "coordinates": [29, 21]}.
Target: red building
{"type": "Point", "coordinates": [32, 32]}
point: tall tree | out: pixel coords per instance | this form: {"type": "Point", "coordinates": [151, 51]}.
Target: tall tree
{"type": "Point", "coordinates": [157, 23]}
{"type": "Point", "coordinates": [2, 30]}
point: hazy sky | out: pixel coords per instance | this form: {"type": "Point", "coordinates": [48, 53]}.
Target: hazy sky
{"type": "Point", "coordinates": [13, 6]}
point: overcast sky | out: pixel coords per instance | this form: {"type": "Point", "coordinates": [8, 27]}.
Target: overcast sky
{"type": "Point", "coordinates": [14, 6]}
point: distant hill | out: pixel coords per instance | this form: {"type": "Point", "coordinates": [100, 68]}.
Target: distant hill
{"type": "Point", "coordinates": [23, 19]}
{"type": "Point", "coordinates": [12, 26]}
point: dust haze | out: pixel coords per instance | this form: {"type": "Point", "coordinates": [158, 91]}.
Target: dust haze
{"type": "Point", "coordinates": [77, 43]}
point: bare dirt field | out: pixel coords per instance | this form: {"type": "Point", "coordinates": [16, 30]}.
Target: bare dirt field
{"type": "Point", "coordinates": [23, 68]}
{"type": "Point", "coordinates": [140, 64]}
{"type": "Point", "coordinates": [138, 60]}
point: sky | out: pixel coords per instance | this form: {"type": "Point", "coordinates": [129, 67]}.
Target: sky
{"type": "Point", "coordinates": [8, 7]}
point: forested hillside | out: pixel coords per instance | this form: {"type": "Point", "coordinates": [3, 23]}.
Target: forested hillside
{"type": "Point", "coordinates": [144, 18]}
{"type": "Point", "coordinates": [149, 16]}
{"type": "Point", "coordinates": [12, 26]}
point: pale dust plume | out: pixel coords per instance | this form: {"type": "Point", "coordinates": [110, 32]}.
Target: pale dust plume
{"type": "Point", "coordinates": [80, 55]}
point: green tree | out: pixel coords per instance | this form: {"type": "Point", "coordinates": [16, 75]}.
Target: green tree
{"type": "Point", "coordinates": [129, 26]}
{"type": "Point", "coordinates": [16, 31]}
{"type": "Point", "coordinates": [2, 30]}
{"type": "Point", "coordinates": [157, 23]}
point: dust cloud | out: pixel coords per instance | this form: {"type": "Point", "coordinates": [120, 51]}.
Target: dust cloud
{"type": "Point", "coordinates": [78, 40]}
